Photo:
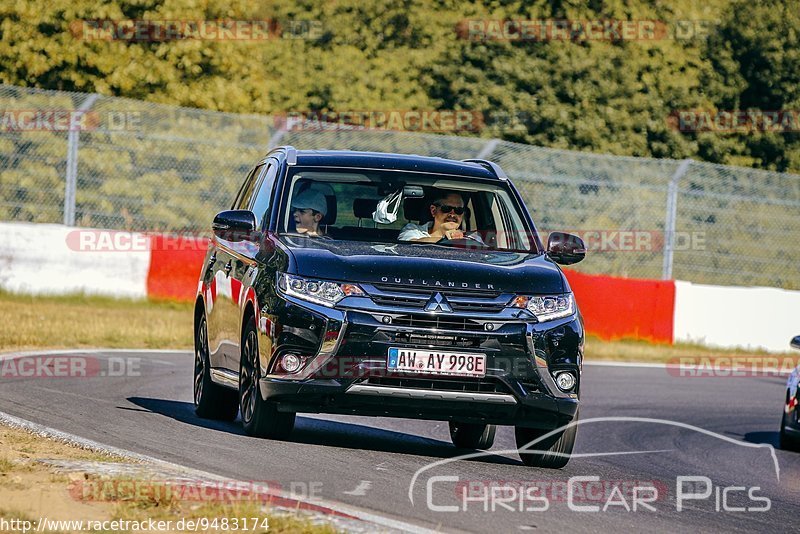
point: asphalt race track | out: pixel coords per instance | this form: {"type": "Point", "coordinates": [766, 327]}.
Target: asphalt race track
{"type": "Point", "coordinates": [370, 462]}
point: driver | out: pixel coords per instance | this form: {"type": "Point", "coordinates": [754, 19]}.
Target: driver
{"type": "Point", "coordinates": [447, 211]}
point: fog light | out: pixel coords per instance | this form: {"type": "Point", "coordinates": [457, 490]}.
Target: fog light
{"type": "Point", "coordinates": [291, 363]}
{"type": "Point", "coordinates": [565, 381]}
{"type": "Point", "coordinates": [387, 319]}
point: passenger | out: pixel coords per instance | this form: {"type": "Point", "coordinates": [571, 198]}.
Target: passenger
{"type": "Point", "coordinates": [447, 211]}
{"type": "Point", "coordinates": [308, 210]}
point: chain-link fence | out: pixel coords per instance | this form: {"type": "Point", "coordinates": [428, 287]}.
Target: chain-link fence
{"type": "Point", "coordinates": [144, 166]}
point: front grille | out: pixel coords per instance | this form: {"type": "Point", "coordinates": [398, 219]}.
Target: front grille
{"type": "Point", "coordinates": [459, 299]}
{"type": "Point", "coordinates": [482, 385]}
{"type": "Point", "coordinates": [476, 306]}
{"type": "Point", "coordinates": [441, 322]}
{"type": "Point", "coordinates": [396, 300]}
{"type": "Point", "coordinates": [436, 340]}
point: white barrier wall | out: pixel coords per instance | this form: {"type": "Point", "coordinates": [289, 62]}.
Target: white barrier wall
{"type": "Point", "coordinates": [51, 259]}
{"type": "Point", "coordinates": [746, 317]}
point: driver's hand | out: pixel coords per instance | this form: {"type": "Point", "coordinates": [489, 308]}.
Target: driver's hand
{"type": "Point", "coordinates": [454, 234]}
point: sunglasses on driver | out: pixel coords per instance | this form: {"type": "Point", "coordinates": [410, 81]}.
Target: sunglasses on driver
{"type": "Point", "coordinates": [459, 210]}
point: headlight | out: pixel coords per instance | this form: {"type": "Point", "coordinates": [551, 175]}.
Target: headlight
{"type": "Point", "coordinates": [547, 307]}
{"type": "Point", "coordinates": [322, 292]}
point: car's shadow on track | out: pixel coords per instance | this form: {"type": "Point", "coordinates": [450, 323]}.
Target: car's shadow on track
{"type": "Point", "coordinates": [329, 433]}
{"type": "Point", "coordinates": [184, 412]}
{"type": "Point", "coordinates": [770, 438]}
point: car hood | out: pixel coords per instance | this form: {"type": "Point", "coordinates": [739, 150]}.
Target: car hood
{"type": "Point", "coordinates": [424, 265]}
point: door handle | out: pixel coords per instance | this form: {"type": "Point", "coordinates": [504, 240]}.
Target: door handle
{"type": "Point", "coordinates": [228, 267]}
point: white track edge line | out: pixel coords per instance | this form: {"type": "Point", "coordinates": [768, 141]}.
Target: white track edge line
{"type": "Point", "coordinates": [88, 444]}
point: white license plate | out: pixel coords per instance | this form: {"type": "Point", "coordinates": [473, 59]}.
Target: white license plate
{"type": "Point", "coordinates": [436, 362]}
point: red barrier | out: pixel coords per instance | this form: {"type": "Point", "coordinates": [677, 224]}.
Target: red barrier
{"type": "Point", "coordinates": [613, 308]}
{"type": "Point", "coordinates": [175, 264]}
{"type": "Point", "coordinates": [616, 308]}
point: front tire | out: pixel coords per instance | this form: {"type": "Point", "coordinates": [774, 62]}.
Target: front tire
{"type": "Point", "coordinates": [553, 452]}
{"type": "Point", "coordinates": [260, 418]}
{"type": "Point", "coordinates": [472, 436]}
{"type": "Point", "coordinates": [211, 401]}
{"type": "Point", "coordinates": [787, 441]}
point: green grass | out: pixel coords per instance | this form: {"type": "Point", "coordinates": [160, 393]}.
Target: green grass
{"type": "Point", "coordinates": [6, 465]}
{"type": "Point", "coordinates": [81, 321]}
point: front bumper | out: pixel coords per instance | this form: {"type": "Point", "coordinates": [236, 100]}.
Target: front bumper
{"type": "Point", "coordinates": [346, 370]}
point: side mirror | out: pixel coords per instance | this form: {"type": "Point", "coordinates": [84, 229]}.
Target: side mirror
{"type": "Point", "coordinates": [235, 225]}
{"type": "Point", "coordinates": [795, 342]}
{"type": "Point", "coordinates": [565, 249]}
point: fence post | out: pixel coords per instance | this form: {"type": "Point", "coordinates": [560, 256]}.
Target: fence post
{"type": "Point", "coordinates": [671, 218]}
{"type": "Point", "coordinates": [275, 139]}
{"type": "Point", "coordinates": [71, 178]}
{"type": "Point", "coordinates": [487, 149]}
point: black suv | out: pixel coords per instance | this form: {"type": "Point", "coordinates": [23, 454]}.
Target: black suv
{"type": "Point", "coordinates": [389, 285]}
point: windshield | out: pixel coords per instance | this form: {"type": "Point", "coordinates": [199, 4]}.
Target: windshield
{"type": "Point", "coordinates": [403, 207]}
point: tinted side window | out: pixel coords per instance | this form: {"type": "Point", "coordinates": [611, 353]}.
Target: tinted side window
{"type": "Point", "coordinates": [263, 199]}
{"type": "Point", "coordinates": [243, 198]}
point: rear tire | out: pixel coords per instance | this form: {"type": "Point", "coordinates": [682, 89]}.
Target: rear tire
{"type": "Point", "coordinates": [211, 401]}
{"type": "Point", "coordinates": [472, 436]}
{"type": "Point", "coordinates": [260, 418]}
{"type": "Point", "coordinates": [553, 452]}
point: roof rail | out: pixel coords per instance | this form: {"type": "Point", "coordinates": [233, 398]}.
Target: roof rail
{"type": "Point", "coordinates": [492, 166]}
{"type": "Point", "coordinates": [291, 153]}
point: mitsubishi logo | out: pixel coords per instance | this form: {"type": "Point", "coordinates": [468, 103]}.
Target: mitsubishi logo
{"type": "Point", "coordinates": [438, 303]}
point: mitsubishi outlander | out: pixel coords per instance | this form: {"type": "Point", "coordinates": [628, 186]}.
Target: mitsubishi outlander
{"type": "Point", "coordinates": [389, 285]}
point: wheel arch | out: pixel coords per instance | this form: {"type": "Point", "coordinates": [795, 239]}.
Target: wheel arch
{"type": "Point", "coordinates": [248, 310]}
